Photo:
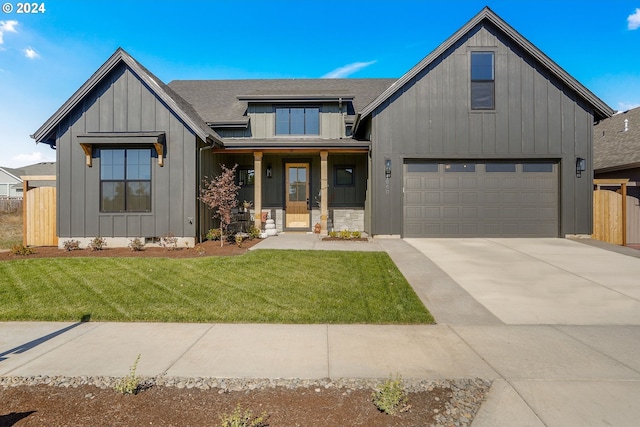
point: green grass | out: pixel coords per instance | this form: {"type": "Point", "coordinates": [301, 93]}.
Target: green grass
{"type": "Point", "coordinates": [263, 286]}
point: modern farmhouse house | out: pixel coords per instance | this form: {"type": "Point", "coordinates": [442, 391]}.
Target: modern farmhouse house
{"type": "Point", "coordinates": [486, 136]}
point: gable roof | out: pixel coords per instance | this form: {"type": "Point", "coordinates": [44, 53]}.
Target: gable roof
{"type": "Point", "coordinates": [224, 102]}
{"type": "Point", "coordinates": [602, 110]}
{"type": "Point", "coordinates": [182, 109]}
{"type": "Point", "coordinates": [613, 147]}
{"type": "Point", "coordinates": [12, 173]}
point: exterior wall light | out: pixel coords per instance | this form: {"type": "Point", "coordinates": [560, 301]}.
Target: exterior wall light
{"type": "Point", "coordinates": [269, 171]}
{"type": "Point", "coordinates": [581, 166]}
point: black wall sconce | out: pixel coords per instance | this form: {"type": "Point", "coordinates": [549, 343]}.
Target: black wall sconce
{"type": "Point", "coordinates": [387, 168]}
{"type": "Point", "coordinates": [581, 166]}
{"type": "Point", "coordinates": [269, 171]}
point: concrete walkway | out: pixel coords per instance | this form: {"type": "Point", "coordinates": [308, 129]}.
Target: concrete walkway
{"type": "Point", "coordinates": [512, 310]}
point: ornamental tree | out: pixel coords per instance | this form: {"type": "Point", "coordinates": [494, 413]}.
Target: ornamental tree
{"type": "Point", "coordinates": [220, 194]}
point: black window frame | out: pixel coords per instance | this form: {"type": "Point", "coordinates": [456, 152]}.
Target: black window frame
{"type": "Point", "coordinates": [125, 180]}
{"type": "Point", "coordinates": [337, 168]}
{"type": "Point", "coordinates": [289, 132]}
{"type": "Point", "coordinates": [246, 169]}
{"type": "Point", "coordinates": [482, 79]}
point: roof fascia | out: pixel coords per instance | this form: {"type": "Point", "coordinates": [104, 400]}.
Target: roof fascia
{"type": "Point", "coordinates": [10, 174]}
{"type": "Point", "coordinates": [487, 14]}
{"type": "Point", "coordinates": [295, 98]}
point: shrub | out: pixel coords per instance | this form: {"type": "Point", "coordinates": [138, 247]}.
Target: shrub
{"type": "Point", "coordinates": [239, 238]}
{"type": "Point", "coordinates": [97, 244]}
{"type": "Point", "coordinates": [131, 383]}
{"type": "Point", "coordinates": [136, 245]}
{"type": "Point", "coordinates": [71, 245]}
{"type": "Point", "coordinates": [246, 419]}
{"type": "Point", "coordinates": [22, 250]}
{"type": "Point", "coordinates": [169, 241]}
{"type": "Point", "coordinates": [345, 234]}
{"type": "Point", "coordinates": [214, 234]}
{"type": "Point", "coordinates": [356, 234]}
{"type": "Point", "coordinates": [254, 232]}
{"type": "Point", "coordinates": [333, 233]}
{"type": "Point", "coordinates": [200, 250]}
{"type": "Point", "coordinates": [391, 397]}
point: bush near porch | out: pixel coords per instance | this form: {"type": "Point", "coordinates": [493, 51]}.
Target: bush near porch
{"type": "Point", "coordinates": [263, 286]}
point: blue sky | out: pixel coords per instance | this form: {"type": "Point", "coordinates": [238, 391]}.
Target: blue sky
{"type": "Point", "coordinates": [46, 56]}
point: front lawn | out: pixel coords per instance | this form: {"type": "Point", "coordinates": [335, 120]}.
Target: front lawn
{"type": "Point", "coordinates": [263, 286]}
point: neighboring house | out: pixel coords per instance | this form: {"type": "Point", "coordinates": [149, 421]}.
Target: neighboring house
{"type": "Point", "coordinates": [11, 182]}
{"type": "Point", "coordinates": [481, 138]}
{"type": "Point", "coordinates": [616, 149]}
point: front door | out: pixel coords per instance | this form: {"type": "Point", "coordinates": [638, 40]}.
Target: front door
{"type": "Point", "coordinates": [297, 195]}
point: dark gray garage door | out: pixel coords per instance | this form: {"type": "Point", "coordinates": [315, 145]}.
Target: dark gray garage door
{"type": "Point", "coordinates": [480, 199]}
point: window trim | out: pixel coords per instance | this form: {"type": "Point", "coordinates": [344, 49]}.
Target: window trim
{"type": "Point", "coordinates": [245, 168]}
{"type": "Point", "coordinates": [335, 175]}
{"type": "Point", "coordinates": [290, 107]}
{"type": "Point", "coordinates": [125, 180]}
{"type": "Point", "coordinates": [492, 81]}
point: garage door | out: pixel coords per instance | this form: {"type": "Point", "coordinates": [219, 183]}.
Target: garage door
{"type": "Point", "coordinates": [480, 199]}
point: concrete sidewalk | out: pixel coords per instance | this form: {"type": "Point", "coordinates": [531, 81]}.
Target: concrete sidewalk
{"type": "Point", "coordinates": [560, 371]}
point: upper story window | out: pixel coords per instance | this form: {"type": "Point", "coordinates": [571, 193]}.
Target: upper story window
{"type": "Point", "coordinates": [125, 180]}
{"type": "Point", "coordinates": [297, 121]}
{"type": "Point", "coordinates": [482, 81]}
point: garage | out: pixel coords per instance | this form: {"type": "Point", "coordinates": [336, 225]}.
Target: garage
{"type": "Point", "coordinates": [480, 199]}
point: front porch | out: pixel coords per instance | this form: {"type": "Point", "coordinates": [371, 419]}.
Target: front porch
{"type": "Point", "coordinates": [299, 189]}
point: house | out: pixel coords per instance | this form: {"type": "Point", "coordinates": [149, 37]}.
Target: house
{"type": "Point", "coordinates": [483, 137]}
{"type": "Point", "coordinates": [11, 182]}
{"type": "Point", "coordinates": [616, 149]}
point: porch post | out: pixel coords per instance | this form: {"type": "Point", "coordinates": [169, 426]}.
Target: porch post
{"type": "Point", "coordinates": [324, 193]}
{"type": "Point", "coordinates": [257, 189]}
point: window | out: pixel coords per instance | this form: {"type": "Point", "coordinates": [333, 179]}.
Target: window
{"type": "Point", "coordinates": [125, 180]}
{"type": "Point", "coordinates": [482, 81]}
{"type": "Point", "coordinates": [297, 121]}
{"type": "Point", "coordinates": [422, 167]}
{"type": "Point", "coordinates": [246, 176]}
{"type": "Point", "coordinates": [460, 167]}
{"type": "Point", "coordinates": [344, 176]}
{"type": "Point", "coordinates": [537, 167]}
{"type": "Point", "coordinates": [500, 167]}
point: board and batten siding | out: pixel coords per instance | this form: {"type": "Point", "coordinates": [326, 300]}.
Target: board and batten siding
{"type": "Point", "coordinates": [535, 117]}
{"type": "Point", "coordinates": [123, 103]}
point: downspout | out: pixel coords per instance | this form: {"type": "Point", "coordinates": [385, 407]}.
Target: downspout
{"type": "Point", "coordinates": [200, 178]}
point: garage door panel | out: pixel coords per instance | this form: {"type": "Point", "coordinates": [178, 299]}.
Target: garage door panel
{"type": "Point", "coordinates": [480, 203]}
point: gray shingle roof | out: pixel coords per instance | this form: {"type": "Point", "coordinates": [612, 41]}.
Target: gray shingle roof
{"type": "Point", "coordinates": [217, 100]}
{"type": "Point", "coordinates": [613, 148]}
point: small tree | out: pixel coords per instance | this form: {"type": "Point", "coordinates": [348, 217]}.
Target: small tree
{"type": "Point", "coordinates": [220, 193]}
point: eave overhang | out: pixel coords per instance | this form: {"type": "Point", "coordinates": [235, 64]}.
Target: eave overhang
{"type": "Point", "coordinates": [295, 98]}
{"type": "Point", "coordinates": [319, 144]}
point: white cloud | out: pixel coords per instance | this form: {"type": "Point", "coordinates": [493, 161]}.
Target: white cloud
{"type": "Point", "coordinates": [633, 20]}
{"type": "Point", "coordinates": [25, 159]}
{"type": "Point", "coordinates": [7, 27]}
{"type": "Point", "coordinates": [30, 53]}
{"type": "Point", "coordinates": [347, 70]}
{"type": "Point", "coordinates": [626, 106]}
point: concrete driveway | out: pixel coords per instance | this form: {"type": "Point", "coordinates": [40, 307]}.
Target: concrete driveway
{"type": "Point", "coordinates": [541, 281]}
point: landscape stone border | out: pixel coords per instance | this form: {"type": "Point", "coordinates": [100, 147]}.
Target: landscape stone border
{"type": "Point", "coordinates": [467, 394]}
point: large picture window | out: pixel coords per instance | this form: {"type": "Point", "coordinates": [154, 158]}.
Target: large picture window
{"type": "Point", "coordinates": [297, 121]}
{"type": "Point", "coordinates": [482, 81]}
{"type": "Point", "coordinates": [125, 180]}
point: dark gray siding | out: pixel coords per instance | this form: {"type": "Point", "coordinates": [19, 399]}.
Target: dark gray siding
{"type": "Point", "coordinates": [122, 103]}
{"type": "Point", "coordinates": [536, 117]}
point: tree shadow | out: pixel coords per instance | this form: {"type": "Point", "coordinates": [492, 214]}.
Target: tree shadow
{"type": "Point", "coordinates": [13, 418]}
{"type": "Point", "coordinates": [31, 344]}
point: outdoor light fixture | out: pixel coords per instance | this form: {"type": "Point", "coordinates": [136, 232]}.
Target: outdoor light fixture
{"type": "Point", "coordinates": [268, 171]}
{"type": "Point", "coordinates": [581, 166]}
{"type": "Point", "coordinates": [387, 168]}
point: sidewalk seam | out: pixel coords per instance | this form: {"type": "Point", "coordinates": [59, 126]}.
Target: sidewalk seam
{"type": "Point", "coordinates": [503, 377]}
{"type": "Point", "coordinates": [177, 359]}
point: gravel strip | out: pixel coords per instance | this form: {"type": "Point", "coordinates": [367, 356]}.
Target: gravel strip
{"type": "Point", "coordinates": [467, 394]}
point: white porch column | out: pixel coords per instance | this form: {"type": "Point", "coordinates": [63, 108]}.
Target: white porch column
{"type": "Point", "coordinates": [324, 193]}
{"type": "Point", "coordinates": [257, 189]}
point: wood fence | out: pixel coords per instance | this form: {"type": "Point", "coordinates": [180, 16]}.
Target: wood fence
{"type": "Point", "coordinates": [10, 205]}
{"type": "Point", "coordinates": [39, 213]}
{"type": "Point", "coordinates": [616, 216]}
